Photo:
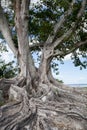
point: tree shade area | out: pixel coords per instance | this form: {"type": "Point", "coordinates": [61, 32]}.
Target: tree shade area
{"type": "Point", "coordinates": [52, 29]}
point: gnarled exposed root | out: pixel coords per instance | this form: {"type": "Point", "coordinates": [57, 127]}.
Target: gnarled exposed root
{"type": "Point", "coordinates": [5, 84]}
{"type": "Point", "coordinates": [55, 109]}
{"type": "Point", "coordinates": [44, 116]}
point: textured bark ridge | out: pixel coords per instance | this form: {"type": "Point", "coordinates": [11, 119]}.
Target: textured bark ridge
{"type": "Point", "coordinates": [57, 108]}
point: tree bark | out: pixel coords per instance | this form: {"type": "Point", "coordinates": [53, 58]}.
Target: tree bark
{"type": "Point", "coordinates": [25, 60]}
{"type": "Point", "coordinates": [21, 22]}
{"type": "Point", "coordinates": [4, 28]}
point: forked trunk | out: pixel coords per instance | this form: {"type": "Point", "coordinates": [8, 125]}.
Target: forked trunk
{"type": "Point", "coordinates": [21, 22]}
{"type": "Point", "coordinates": [45, 63]}
{"type": "Point", "coordinates": [27, 68]}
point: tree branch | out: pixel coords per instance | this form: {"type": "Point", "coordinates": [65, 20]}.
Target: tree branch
{"type": "Point", "coordinates": [75, 46]}
{"type": "Point", "coordinates": [21, 23]}
{"type": "Point", "coordinates": [36, 45]}
{"type": "Point", "coordinates": [4, 28]}
{"type": "Point", "coordinates": [67, 35]}
{"type": "Point", "coordinates": [60, 23]}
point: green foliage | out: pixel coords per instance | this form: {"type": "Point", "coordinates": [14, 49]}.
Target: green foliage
{"type": "Point", "coordinates": [83, 35]}
{"type": "Point", "coordinates": [42, 18]}
{"type": "Point", "coordinates": [3, 46]}
{"type": "Point", "coordinates": [76, 57]}
{"type": "Point", "coordinates": [7, 70]}
{"type": "Point", "coordinates": [60, 81]}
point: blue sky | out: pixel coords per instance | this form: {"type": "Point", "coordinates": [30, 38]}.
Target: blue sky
{"type": "Point", "coordinates": [71, 74]}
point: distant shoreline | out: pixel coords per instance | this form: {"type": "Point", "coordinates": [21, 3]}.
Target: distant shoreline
{"type": "Point", "coordinates": [77, 85]}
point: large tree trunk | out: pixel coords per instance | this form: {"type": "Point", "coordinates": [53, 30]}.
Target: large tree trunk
{"type": "Point", "coordinates": [28, 70]}
{"type": "Point", "coordinates": [21, 22]}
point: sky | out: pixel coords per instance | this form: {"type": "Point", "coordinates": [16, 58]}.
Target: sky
{"type": "Point", "coordinates": [68, 73]}
{"type": "Point", "coordinates": [71, 74]}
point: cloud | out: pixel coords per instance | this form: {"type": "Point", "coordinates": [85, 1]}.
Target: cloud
{"type": "Point", "coordinates": [68, 57]}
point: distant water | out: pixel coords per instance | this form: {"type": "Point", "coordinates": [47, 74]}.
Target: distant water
{"type": "Point", "coordinates": [77, 85]}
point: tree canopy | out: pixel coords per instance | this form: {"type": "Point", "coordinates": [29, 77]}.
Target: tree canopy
{"type": "Point", "coordinates": [45, 16]}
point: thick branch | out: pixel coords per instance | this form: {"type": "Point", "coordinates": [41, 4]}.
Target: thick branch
{"type": "Point", "coordinates": [68, 34]}
{"type": "Point", "coordinates": [74, 47]}
{"type": "Point", "coordinates": [36, 45]}
{"type": "Point", "coordinates": [21, 22]}
{"type": "Point", "coordinates": [4, 28]}
{"type": "Point", "coordinates": [60, 23]}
